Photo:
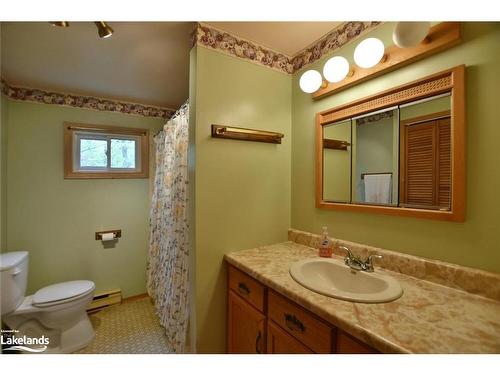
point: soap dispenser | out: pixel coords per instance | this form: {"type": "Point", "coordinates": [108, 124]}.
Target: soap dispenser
{"type": "Point", "coordinates": [325, 250]}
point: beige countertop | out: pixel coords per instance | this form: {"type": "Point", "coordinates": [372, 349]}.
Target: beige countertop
{"type": "Point", "coordinates": [428, 318]}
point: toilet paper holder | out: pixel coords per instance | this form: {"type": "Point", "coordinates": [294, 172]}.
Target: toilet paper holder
{"type": "Point", "coordinates": [117, 233]}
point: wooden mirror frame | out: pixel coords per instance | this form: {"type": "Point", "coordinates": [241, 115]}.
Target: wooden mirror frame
{"type": "Point", "coordinates": [452, 81]}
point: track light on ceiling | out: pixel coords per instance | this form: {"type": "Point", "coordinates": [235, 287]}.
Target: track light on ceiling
{"type": "Point", "coordinates": [60, 23]}
{"type": "Point", "coordinates": [104, 30]}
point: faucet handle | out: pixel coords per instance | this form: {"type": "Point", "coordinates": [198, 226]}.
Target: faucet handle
{"type": "Point", "coordinates": [368, 263]}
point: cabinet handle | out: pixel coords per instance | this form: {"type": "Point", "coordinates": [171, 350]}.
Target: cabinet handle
{"type": "Point", "coordinates": [243, 289]}
{"type": "Point", "coordinates": [293, 323]}
{"type": "Point", "coordinates": [257, 342]}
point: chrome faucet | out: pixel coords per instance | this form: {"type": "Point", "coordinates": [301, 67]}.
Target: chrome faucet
{"type": "Point", "coordinates": [356, 263]}
{"type": "Point", "coordinates": [350, 260]}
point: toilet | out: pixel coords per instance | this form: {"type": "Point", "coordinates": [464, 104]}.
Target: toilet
{"type": "Point", "coordinates": [57, 312]}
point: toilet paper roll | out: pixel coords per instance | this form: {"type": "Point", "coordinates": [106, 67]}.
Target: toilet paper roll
{"type": "Point", "coordinates": [108, 236]}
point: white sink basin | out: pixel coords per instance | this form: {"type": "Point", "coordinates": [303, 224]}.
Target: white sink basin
{"type": "Point", "coordinates": [333, 278]}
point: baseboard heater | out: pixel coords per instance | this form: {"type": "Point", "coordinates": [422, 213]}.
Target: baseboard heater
{"type": "Point", "coordinates": [105, 299]}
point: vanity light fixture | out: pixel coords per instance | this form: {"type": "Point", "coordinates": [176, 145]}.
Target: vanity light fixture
{"type": "Point", "coordinates": [104, 30]}
{"type": "Point", "coordinates": [310, 81]}
{"type": "Point", "coordinates": [369, 53]}
{"type": "Point", "coordinates": [410, 34]}
{"type": "Point", "coordinates": [336, 69]}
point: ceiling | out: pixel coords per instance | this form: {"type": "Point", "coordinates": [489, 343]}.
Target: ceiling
{"type": "Point", "coordinates": [143, 62]}
{"type": "Point", "coordinates": [288, 38]}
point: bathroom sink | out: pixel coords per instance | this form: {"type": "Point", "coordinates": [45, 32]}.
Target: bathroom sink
{"type": "Point", "coordinates": [333, 278]}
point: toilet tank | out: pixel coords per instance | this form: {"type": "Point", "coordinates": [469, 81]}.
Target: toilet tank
{"type": "Point", "coordinates": [14, 280]}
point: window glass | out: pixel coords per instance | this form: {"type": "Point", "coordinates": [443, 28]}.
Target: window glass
{"type": "Point", "coordinates": [93, 153]}
{"type": "Point", "coordinates": [123, 153]}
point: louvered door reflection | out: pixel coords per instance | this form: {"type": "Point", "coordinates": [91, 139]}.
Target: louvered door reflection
{"type": "Point", "coordinates": [444, 162]}
{"type": "Point", "coordinates": [425, 164]}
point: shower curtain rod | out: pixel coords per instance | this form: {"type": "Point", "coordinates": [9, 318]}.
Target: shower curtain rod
{"type": "Point", "coordinates": [176, 113]}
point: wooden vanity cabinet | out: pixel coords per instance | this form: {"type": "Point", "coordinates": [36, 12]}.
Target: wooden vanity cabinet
{"type": "Point", "coordinates": [261, 320]}
{"type": "Point", "coordinates": [310, 330]}
{"type": "Point", "coordinates": [280, 342]}
{"type": "Point", "coordinates": [347, 344]}
{"type": "Point", "coordinates": [246, 327]}
{"type": "Point", "coordinates": [247, 322]}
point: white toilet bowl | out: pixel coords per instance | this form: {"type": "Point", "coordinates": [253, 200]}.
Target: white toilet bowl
{"type": "Point", "coordinates": [57, 312]}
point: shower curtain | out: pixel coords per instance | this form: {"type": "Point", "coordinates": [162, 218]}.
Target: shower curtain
{"type": "Point", "coordinates": [167, 269]}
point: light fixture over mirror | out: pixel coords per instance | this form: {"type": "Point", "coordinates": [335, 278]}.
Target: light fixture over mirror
{"type": "Point", "coordinates": [310, 81]}
{"type": "Point", "coordinates": [336, 69]}
{"type": "Point", "coordinates": [410, 34]}
{"type": "Point", "coordinates": [369, 53]}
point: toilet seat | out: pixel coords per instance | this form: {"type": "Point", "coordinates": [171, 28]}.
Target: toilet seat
{"type": "Point", "coordinates": [62, 292]}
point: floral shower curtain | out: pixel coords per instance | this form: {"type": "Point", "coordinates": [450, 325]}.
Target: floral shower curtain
{"type": "Point", "coordinates": [167, 270]}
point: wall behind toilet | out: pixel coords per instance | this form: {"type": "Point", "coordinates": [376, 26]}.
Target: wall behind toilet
{"type": "Point", "coordinates": [55, 219]}
{"type": "Point", "coordinates": [3, 171]}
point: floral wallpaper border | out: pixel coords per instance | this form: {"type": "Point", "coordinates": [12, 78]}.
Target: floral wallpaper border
{"type": "Point", "coordinates": [81, 101]}
{"type": "Point", "coordinates": [208, 36]}
{"type": "Point", "coordinates": [211, 37]}
{"type": "Point", "coordinates": [332, 41]}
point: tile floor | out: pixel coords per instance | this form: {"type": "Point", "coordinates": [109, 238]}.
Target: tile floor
{"type": "Point", "coordinates": [129, 328]}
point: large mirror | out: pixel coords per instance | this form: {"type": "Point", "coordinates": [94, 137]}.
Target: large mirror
{"type": "Point", "coordinates": [402, 158]}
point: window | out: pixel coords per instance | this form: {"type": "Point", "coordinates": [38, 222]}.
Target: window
{"type": "Point", "coordinates": [99, 151]}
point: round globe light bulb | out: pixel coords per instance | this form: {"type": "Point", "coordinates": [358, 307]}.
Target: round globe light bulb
{"type": "Point", "coordinates": [410, 34]}
{"type": "Point", "coordinates": [336, 69]}
{"type": "Point", "coordinates": [310, 81]}
{"type": "Point", "coordinates": [369, 52]}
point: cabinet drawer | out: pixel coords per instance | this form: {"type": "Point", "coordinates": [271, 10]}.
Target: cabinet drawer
{"type": "Point", "coordinates": [347, 344]}
{"type": "Point", "coordinates": [301, 324]}
{"type": "Point", "coordinates": [247, 288]}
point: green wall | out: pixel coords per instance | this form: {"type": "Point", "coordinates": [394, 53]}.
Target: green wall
{"type": "Point", "coordinates": [476, 242]}
{"type": "Point", "coordinates": [55, 219]}
{"type": "Point", "coordinates": [3, 171]}
{"type": "Point", "coordinates": [242, 189]}
{"type": "Point", "coordinates": [191, 335]}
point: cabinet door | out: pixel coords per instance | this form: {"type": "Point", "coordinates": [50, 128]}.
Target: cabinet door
{"type": "Point", "coordinates": [246, 327]}
{"type": "Point", "coordinates": [280, 342]}
{"type": "Point", "coordinates": [349, 345]}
